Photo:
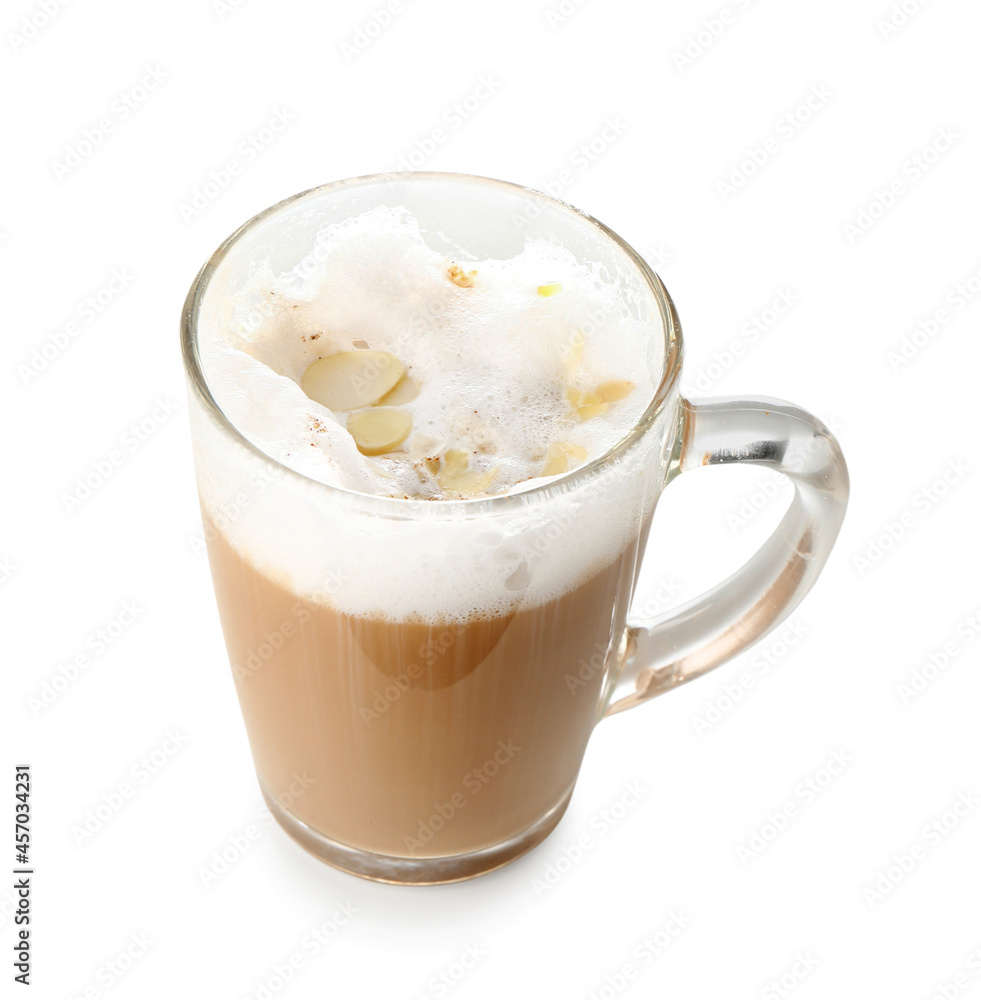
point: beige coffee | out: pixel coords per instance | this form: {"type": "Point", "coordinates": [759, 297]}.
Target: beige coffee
{"type": "Point", "coordinates": [416, 739]}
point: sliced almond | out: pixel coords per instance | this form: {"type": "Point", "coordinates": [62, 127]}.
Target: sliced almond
{"type": "Point", "coordinates": [379, 429]}
{"type": "Point", "coordinates": [404, 392]}
{"type": "Point", "coordinates": [560, 455]}
{"type": "Point", "coordinates": [455, 463]}
{"type": "Point", "coordinates": [472, 483]}
{"type": "Point", "coordinates": [556, 462]}
{"type": "Point", "coordinates": [552, 288]}
{"type": "Point", "coordinates": [352, 379]}
{"type": "Point", "coordinates": [610, 392]}
{"type": "Point", "coordinates": [591, 410]}
{"type": "Point", "coordinates": [581, 397]}
{"type": "Point", "coordinates": [459, 277]}
{"type": "Point", "coordinates": [454, 477]}
{"type": "Point", "coordinates": [422, 446]}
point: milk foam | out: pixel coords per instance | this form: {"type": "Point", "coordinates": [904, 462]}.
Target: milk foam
{"type": "Point", "coordinates": [498, 347]}
{"type": "Point", "coordinates": [493, 361]}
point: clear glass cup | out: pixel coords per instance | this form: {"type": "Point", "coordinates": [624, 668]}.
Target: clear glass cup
{"type": "Point", "coordinates": [427, 750]}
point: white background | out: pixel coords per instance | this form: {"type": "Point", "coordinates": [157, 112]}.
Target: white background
{"type": "Point", "coordinates": [867, 629]}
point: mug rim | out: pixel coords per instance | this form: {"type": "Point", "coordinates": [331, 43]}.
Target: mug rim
{"type": "Point", "coordinates": [670, 374]}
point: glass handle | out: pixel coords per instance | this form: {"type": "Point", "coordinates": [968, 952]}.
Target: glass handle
{"type": "Point", "coordinates": [685, 643]}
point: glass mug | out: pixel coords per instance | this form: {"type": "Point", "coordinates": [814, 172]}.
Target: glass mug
{"type": "Point", "coordinates": [427, 750]}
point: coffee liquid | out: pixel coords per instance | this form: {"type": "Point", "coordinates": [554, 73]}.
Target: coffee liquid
{"type": "Point", "coordinates": [417, 739]}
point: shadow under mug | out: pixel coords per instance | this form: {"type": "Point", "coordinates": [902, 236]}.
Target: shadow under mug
{"type": "Point", "coordinates": [427, 749]}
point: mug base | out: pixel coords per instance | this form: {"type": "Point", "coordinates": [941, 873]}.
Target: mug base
{"type": "Point", "coordinates": [414, 871]}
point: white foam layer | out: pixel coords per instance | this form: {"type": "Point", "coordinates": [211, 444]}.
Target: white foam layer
{"type": "Point", "coordinates": [493, 360]}
{"type": "Point", "coordinates": [498, 348]}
